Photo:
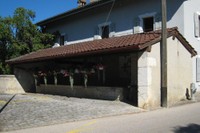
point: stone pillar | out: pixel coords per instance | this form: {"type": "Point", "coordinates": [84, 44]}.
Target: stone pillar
{"type": "Point", "coordinates": [144, 80]}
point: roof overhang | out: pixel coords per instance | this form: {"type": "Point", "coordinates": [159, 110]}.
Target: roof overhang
{"type": "Point", "coordinates": [129, 43]}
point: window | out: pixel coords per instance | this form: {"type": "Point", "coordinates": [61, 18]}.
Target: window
{"type": "Point", "coordinates": [148, 24]}
{"type": "Point", "coordinates": [197, 24]}
{"type": "Point", "coordinates": [62, 39]}
{"type": "Point", "coordinates": [105, 31]}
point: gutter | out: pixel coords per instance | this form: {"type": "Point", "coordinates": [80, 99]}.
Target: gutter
{"type": "Point", "coordinates": [86, 53]}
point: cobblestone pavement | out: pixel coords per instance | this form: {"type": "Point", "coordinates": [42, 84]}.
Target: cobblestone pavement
{"type": "Point", "coordinates": [33, 110]}
{"type": "Point", "coordinates": [4, 98]}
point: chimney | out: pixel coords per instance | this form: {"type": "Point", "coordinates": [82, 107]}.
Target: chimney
{"type": "Point", "coordinates": [81, 3]}
{"type": "Point", "coordinates": [91, 1]}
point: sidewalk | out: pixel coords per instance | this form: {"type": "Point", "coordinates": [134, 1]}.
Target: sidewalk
{"type": "Point", "coordinates": [185, 101]}
{"type": "Point", "coordinates": [197, 96]}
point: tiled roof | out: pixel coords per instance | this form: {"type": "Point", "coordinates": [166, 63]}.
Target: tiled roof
{"type": "Point", "coordinates": [133, 42]}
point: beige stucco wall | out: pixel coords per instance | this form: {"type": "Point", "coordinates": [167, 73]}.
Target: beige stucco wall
{"type": "Point", "coordinates": [149, 78]}
{"type": "Point", "coordinates": [9, 84]}
{"type": "Point", "coordinates": [149, 74]}
{"type": "Point", "coordinates": [154, 64]}
{"type": "Point", "coordinates": [179, 71]}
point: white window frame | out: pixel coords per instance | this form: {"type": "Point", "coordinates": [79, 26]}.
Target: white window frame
{"type": "Point", "coordinates": [102, 25]}
{"type": "Point", "coordinates": [197, 24]}
{"type": "Point", "coordinates": [141, 17]}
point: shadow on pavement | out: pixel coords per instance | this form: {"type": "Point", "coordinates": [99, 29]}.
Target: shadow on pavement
{"type": "Point", "coordinates": [6, 103]}
{"type": "Point", "coordinates": [191, 128]}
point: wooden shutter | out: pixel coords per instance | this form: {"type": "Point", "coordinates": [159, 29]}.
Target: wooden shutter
{"type": "Point", "coordinates": [137, 26]}
{"type": "Point", "coordinates": [196, 24]}
{"type": "Point", "coordinates": [198, 70]}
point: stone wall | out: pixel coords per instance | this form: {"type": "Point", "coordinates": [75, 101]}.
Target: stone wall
{"type": "Point", "coordinates": [25, 78]}
{"type": "Point", "coordinates": [106, 93]}
{"type": "Point", "coordinates": [9, 84]}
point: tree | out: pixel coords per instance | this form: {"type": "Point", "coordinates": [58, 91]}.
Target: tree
{"type": "Point", "coordinates": [5, 42]}
{"type": "Point", "coordinates": [28, 37]}
{"type": "Point", "coordinates": [19, 36]}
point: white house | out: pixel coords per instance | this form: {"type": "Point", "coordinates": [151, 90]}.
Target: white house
{"type": "Point", "coordinates": [123, 17]}
{"type": "Point", "coordinates": [120, 39]}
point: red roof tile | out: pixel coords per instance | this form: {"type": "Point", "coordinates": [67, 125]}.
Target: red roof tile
{"type": "Point", "coordinates": [133, 42]}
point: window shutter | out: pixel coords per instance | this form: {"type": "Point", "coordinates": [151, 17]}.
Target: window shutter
{"type": "Point", "coordinates": [198, 70]}
{"type": "Point", "coordinates": [137, 27]}
{"type": "Point", "coordinates": [196, 24]}
{"type": "Point", "coordinates": [158, 19]}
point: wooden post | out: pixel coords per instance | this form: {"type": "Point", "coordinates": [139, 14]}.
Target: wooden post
{"type": "Point", "coordinates": [164, 56]}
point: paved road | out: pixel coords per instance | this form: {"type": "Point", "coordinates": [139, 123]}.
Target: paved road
{"type": "Point", "coordinates": [180, 119]}
{"type": "Point", "coordinates": [34, 110]}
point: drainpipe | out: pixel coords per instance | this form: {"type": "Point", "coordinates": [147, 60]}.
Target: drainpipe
{"type": "Point", "coordinates": [163, 50]}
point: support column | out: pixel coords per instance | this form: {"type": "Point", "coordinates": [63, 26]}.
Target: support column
{"type": "Point", "coordinates": [163, 49]}
{"type": "Point", "coordinates": [144, 80]}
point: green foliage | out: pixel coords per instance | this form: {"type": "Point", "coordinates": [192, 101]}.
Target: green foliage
{"type": "Point", "coordinates": [4, 69]}
{"type": "Point", "coordinates": [5, 43]}
{"type": "Point", "coordinates": [5, 37]}
{"type": "Point", "coordinates": [28, 37]}
{"type": "Point", "coordinates": [19, 36]}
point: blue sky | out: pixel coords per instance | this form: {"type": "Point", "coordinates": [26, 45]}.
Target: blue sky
{"type": "Point", "coordinates": [43, 8]}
